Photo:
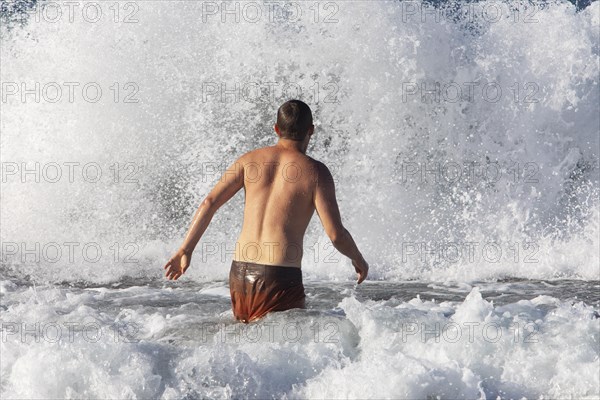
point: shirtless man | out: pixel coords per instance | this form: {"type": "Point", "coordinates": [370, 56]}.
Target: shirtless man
{"type": "Point", "coordinates": [283, 188]}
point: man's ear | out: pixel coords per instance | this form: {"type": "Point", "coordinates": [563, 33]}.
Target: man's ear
{"type": "Point", "coordinates": [311, 130]}
{"type": "Point", "coordinates": [276, 129]}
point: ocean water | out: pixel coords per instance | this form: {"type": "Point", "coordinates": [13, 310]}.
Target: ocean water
{"type": "Point", "coordinates": [464, 141]}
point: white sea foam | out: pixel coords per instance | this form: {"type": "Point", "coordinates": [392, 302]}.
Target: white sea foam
{"type": "Point", "coordinates": [536, 348]}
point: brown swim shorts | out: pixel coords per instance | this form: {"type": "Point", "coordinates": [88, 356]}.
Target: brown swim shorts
{"type": "Point", "coordinates": [257, 289]}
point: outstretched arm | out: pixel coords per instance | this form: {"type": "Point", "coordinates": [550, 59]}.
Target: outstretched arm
{"type": "Point", "coordinates": [329, 213]}
{"type": "Point", "coordinates": [229, 184]}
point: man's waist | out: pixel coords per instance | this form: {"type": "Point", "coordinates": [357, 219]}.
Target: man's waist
{"type": "Point", "coordinates": [266, 269]}
{"type": "Point", "coordinates": [269, 253]}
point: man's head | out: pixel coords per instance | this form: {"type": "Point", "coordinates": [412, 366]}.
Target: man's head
{"type": "Point", "coordinates": [294, 121]}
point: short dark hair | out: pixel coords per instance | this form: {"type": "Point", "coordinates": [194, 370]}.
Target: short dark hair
{"type": "Point", "coordinates": [294, 118]}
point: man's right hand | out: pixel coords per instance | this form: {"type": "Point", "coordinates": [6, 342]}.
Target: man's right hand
{"type": "Point", "coordinates": [177, 265]}
{"type": "Point", "coordinates": [362, 269]}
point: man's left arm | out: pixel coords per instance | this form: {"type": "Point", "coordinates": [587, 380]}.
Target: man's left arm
{"type": "Point", "coordinates": [229, 184]}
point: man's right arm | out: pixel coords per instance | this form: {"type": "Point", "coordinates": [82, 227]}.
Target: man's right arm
{"type": "Point", "coordinates": [329, 213]}
{"type": "Point", "coordinates": [229, 184]}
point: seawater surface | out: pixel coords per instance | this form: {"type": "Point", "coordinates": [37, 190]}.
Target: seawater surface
{"type": "Point", "coordinates": [417, 340]}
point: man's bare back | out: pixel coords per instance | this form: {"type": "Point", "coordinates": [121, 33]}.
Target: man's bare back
{"type": "Point", "coordinates": [280, 185]}
{"type": "Point", "coordinates": [283, 188]}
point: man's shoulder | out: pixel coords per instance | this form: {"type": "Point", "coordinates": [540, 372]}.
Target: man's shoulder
{"type": "Point", "coordinates": [253, 154]}
{"type": "Point", "coordinates": [322, 173]}
{"type": "Point", "coordinates": [319, 165]}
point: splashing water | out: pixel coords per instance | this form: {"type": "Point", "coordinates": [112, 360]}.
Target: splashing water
{"type": "Point", "coordinates": [494, 175]}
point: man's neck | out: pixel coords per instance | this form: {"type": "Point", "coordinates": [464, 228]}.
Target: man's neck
{"type": "Point", "coordinates": [292, 145]}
